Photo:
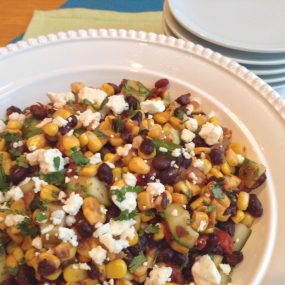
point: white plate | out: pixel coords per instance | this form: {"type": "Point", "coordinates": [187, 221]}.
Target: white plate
{"type": "Point", "coordinates": [255, 25]}
{"type": "Point", "coordinates": [240, 56]}
{"type": "Point", "coordinates": [30, 69]}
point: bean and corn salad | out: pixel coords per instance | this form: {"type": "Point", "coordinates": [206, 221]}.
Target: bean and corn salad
{"type": "Point", "coordinates": [120, 185]}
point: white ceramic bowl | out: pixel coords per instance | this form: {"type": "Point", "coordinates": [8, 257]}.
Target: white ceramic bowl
{"type": "Point", "coordinates": [30, 69]}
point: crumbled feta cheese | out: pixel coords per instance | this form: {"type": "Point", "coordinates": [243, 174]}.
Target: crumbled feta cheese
{"type": "Point", "coordinates": [174, 213]}
{"type": "Point", "coordinates": [211, 133]}
{"type": "Point", "coordinates": [95, 96]}
{"type": "Point", "coordinates": [61, 196]}
{"type": "Point", "coordinates": [110, 164]}
{"type": "Point", "coordinates": [191, 124]}
{"type": "Point", "coordinates": [130, 179]}
{"type": "Point", "coordinates": [60, 99]}
{"type": "Point", "coordinates": [189, 109]}
{"type": "Point", "coordinates": [17, 117]}
{"type": "Point", "coordinates": [37, 242]}
{"type": "Point", "coordinates": [152, 106]}
{"type": "Point", "coordinates": [18, 144]}
{"type": "Point", "coordinates": [187, 155]}
{"type": "Point", "coordinates": [204, 271]}
{"type": "Point", "coordinates": [124, 150]}
{"type": "Point", "coordinates": [199, 163]}
{"type": "Point", "coordinates": [67, 235]}
{"type": "Point", "coordinates": [38, 184]}
{"type": "Point", "coordinates": [176, 152]}
{"type": "Point", "coordinates": [117, 104]}
{"type": "Point", "coordinates": [98, 254]}
{"type": "Point", "coordinates": [59, 121]}
{"type": "Point", "coordinates": [67, 179]}
{"type": "Point", "coordinates": [2, 127]}
{"type": "Point", "coordinates": [194, 177]}
{"type": "Point", "coordinates": [57, 217]}
{"type": "Point", "coordinates": [44, 122]}
{"type": "Point", "coordinates": [82, 266]}
{"type": "Point", "coordinates": [159, 276]}
{"type": "Point", "coordinates": [70, 220]}
{"type": "Point", "coordinates": [13, 220]}
{"type": "Point", "coordinates": [163, 149]}
{"type": "Point", "coordinates": [73, 204]}
{"type": "Point", "coordinates": [155, 188]}
{"type": "Point", "coordinates": [32, 148]}
{"type": "Point", "coordinates": [115, 235]}
{"type": "Point", "coordinates": [240, 159]}
{"type": "Point", "coordinates": [129, 203]}
{"type": "Point", "coordinates": [202, 226]}
{"type": "Point", "coordinates": [47, 229]}
{"type": "Point", "coordinates": [187, 136]}
{"type": "Point", "coordinates": [95, 158]}
{"type": "Point", "coordinates": [15, 194]}
{"type": "Point", "coordinates": [226, 268]}
{"type": "Point", "coordinates": [189, 147]}
{"type": "Point", "coordinates": [88, 117]}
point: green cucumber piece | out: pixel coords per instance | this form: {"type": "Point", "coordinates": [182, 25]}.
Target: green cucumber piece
{"type": "Point", "coordinates": [225, 279]}
{"type": "Point", "coordinates": [178, 221]}
{"type": "Point", "coordinates": [171, 134]}
{"type": "Point", "coordinates": [242, 233]}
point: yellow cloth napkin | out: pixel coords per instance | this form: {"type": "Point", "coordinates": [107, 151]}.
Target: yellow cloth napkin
{"type": "Point", "coordinates": [45, 22]}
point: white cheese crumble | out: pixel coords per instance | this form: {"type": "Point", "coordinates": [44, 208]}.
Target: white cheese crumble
{"type": "Point", "coordinates": [18, 144]}
{"type": "Point", "coordinates": [124, 150]}
{"type": "Point", "coordinates": [187, 136]}
{"type": "Point", "coordinates": [17, 117]}
{"type": "Point", "coordinates": [73, 204]}
{"type": "Point", "coordinates": [15, 194]}
{"type": "Point", "coordinates": [70, 220]}
{"type": "Point", "coordinates": [174, 213]}
{"type": "Point", "coordinates": [44, 122]}
{"type": "Point", "coordinates": [163, 149]}
{"type": "Point", "coordinates": [67, 179]}
{"type": "Point", "coordinates": [226, 268]}
{"type": "Point", "coordinates": [82, 266]}
{"type": "Point", "coordinates": [117, 104]}
{"type": "Point", "coordinates": [60, 99]}
{"type": "Point", "coordinates": [115, 235]}
{"type": "Point", "coordinates": [159, 276]}
{"type": "Point", "coordinates": [129, 203]}
{"type": "Point", "coordinates": [88, 117]}
{"type": "Point", "coordinates": [194, 177]}
{"type": "Point", "coordinates": [67, 235]}
{"type": "Point", "coordinates": [205, 272]}
{"type": "Point", "coordinates": [57, 217]}
{"type": "Point", "coordinates": [191, 124]}
{"type": "Point", "coordinates": [202, 226]}
{"type": "Point", "coordinates": [98, 254]}
{"type": "Point", "coordinates": [47, 229]}
{"type": "Point", "coordinates": [199, 163]}
{"type": "Point", "coordinates": [211, 133]}
{"type": "Point", "coordinates": [176, 152]}
{"type": "Point", "coordinates": [59, 121]}
{"type": "Point", "coordinates": [95, 96]}
{"type": "Point", "coordinates": [95, 158]}
{"type": "Point", "coordinates": [38, 183]}
{"type": "Point", "coordinates": [130, 179]}
{"type": "Point", "coordinates": [13, 220]}
{"type": "Point", "coordinates": [152, 106]}
{"type": "Point", "coordinates": [61, 196]}
{"type": "Point", "coordinates": [2, 127]}
{"type": "Point", "coordinates": [240, 159]}
{"type": "Point", "coordinates": [155, 188]}
{"type": "Point", "coordinates": [37, 242]}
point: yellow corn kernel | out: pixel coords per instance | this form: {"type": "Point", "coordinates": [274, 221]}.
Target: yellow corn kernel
{"type": "Point", "coordinates": [179, 198]}
{"type": "Point", "coordinates": [10, 247]}
{"type": "Point", "coordinates": [137, 141]}
{"type": "Point", "coordinates": [220, 210]}
{"type": "Point", "coordinates": [18, 254]}
{"type": "Point", "coordinates": [145, 201]}
{"type": "Point", "coordinates": [242, 201]}
{"type": "Point", "coordinates": [248, 220]}
{"type": "Point", "coordinates": [162, 117]}
{"type": "Point", "coordinates": [200, 202]}
{"type": "Point", "coordinates": [231, 182]}
{"type": "Point", "coordinates": [201, 119]}
{"type": "Point", "coordinates": [50, 258]}
{"type": "Point", "coordinates": [30, 254]}
{"type": "Point", "coordinates": [177, 247]}
{"type": "Point", "coordinates": [134, 240]}
{"type": "Point", "coordinates": [69, 142]}
{"type": "Point", "coordinates": [199, 150]}
{"type": "Point", "coordinates": [123, 282]}
{"type": "Point", "coordinates": [2, 144]}
{"type": "Point", "coordinates": [17, 238]}
{"type": "Point", "coordinates": [231, 158]}
{"type": "Point", "coordinates": [200, 221]}
{"type": "Point", "coordinates": [214, 120]}
{"type": "Point", "coordinates": [54, 276]}
{"type": "Point", "coordinates": [138, 165]}
{"type": "Point", "coordinates": [116, 269]}
{"type": "Point", "coordinates": [88, 154]}
{"type": "Point", "coordinates": [88, 170]}
{"type": "Point", "coordinates": [18, 205]}
{"type": "Point", "coordinates": [147, 156]}
{"type": "Point", "coordinates": [145, 216]}
{"type": "Point", "coordinates": [62, 113]}
{"type": "Point", "coordinates": [141, 271]}
{"type": "Point", "coordinates": [109, 89]}
{"type": "Point", "coordinates": [217, 173]}
{"type": "Point", "coordinates": [36, 142]}
{"type": "Point", "coordinates": [83, 138]}
{"type": "Point", "coordinates": [94, 144]}
{"type": "Point", "coordinates": [176, 123]}
{"type": "Point", "coordinates": [116, 141]}
{"type": "Point", "coordinates": [238, 217]}
{"type": "Point", "coordinates": [226, 168]}
{"type": "Point", "coordinates": [170, 283]}
{"type": "Point", "coordinates": [14, 125]}
{"type": "Point", "coordinates": [225, 201]}
{"type": "Point", "coordinates": [93, 211]}
{"type": "Point", "coordinates": [155, 131]}
{"type": "Point", "coordinates": [11, 261]}
{"type": "Point", "coordinates": [50, 129]}
{"type": "Point", "coordinates": [76, 86]}
{"type": "Point", "coordinates": [27, 243]}
{"type": "Point", "coordinates": [117, 173]}
{"type": "Point", "coordinates": [119, 183]}
{"type": "Point", "coordinates": [49, 193]}
{"type": "Point", "coordinates": [207, 166]}
{"type": "Point", "coordinates": [238, 148]}
{"type": "Point", "coordinates": [160, 234]}
{"type": "Point", "coordinates": [111, 157]}
{"type": "Point", "coordinates": [65, 251]}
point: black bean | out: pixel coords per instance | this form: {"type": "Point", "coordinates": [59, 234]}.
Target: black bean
{"type": "Point", "coordinates": [141, 245]}
{"type": "Point", "coordinates": [33, 170]}
{"type": "Point", "coordinates": [38, 111]}
{"type": "Point", "coordinates": [161, 163]}
{"type": "Point", "coordinates": [10, 281]}
{"type": "Point", "coordinates": [64, 130]}
{"type": "Point", "coordinates": [165, 255]}
{"type": "Point", "coordinates": [72, 121]}
{"type": "Point", "coordinates": [183, 99]}
{"type": "Point", "coordinates": [259, 182]}
{"type": "Point", "coordinates": [212, 243]}
{"type": "Point", "coordinates": [133, 102]}
{"type": "Point", "coordinates": [228, 226]}
{"type": "Point", "coordinates": [112, 212]}
{"type": "Point", "coordinates": [52, 141]}
{"type": "Point", "coordinates": [143, 132]}
{"type": "Point", "coordinates": [126, 136]}
{"type": "Point", "coordinates": [105, 173]}
{"type": "Point", "coordinates": [184, 162]}
{"type": "Point", "coordinates": [199, 142]}
{"type": "Point", "coordinates": [147, 146]}
{"type": "Point", "coordinates": [168, 176]}
{"type": "Point", "coordinates": [233, 259]}
{"type": "Point", "coordinates": [13, 109]}
{"type": "Point", "coordinates": [26, 276]}
{"type": "Point", "coordinates": [180, 259]}
{"type": "Point", "coordinates": [116, 88]}
{"type": "Point", "coordinates": [255, 207]}
{"type": "Point", "coordinates": [94, 272]}
{"type": "Point", "coordinates": [161, 83]}
{"type": "Point", "coordinates": [217, 156]}
{"type": "Point", "coordinates": [18, 174]}
{"type": "Point", "coordinates": [46, 267]}
{"type": "Point", "coordinates": [138, 117]}
{"type": "Point", "coordinates": [84, 228]}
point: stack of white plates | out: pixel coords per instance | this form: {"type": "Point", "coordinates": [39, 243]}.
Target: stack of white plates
{"type": "Point", "coordinates": [250, 32]}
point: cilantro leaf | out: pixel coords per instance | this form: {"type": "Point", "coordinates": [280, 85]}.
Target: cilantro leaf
{"type": "Point", "coordinates": [56, 162]}
{"type": "Point", "coordinates": [86, 102]}
{"type": "Point", "coordinates": [121, 193]}
{"type": "Point", "coordinates": [37, 203]}
{"type": "Point", "coordinates": [33, 132]}
{"type": "Point", "coordinates": [104, 102]}
{"type": "Point", "coordinates": [40, 217]}
{"type": "Point", "coordinates": [99, 134]}
{"type": "Point", "coordinates": [168, 145]}
{"type": "Point", "coordinates": [126, 215]}
{"type": "Point", "coordinates": [79, 158]}
{"type": "Point", "coordinates": [137, 262]}
{"type": "Point", "coordinates": [217, 190]}
{"type": "Point", "coordinates": [180, 114]}
{"type": "Point", "coordinates": [118, 125]}
{"type": "Point", "coordinates": [79, 131]}
{"type": "Point", "coordinates": [11, 137]}
{"type": "Point", "coordinates": [4, 183]}
{"type": "Point", "coordinates": [27, 228]}
{"type": "Point", "coordinates": [151, 229]}
{"type": "Point", "coordinates": [54, 178]}
{"type": "Point", "coordinates": [14, 152]}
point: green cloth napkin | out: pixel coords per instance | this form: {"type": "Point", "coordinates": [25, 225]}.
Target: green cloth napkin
{"type": "Point", "coordinates": [45, 22]}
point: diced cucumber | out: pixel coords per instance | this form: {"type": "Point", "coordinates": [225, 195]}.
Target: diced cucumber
{"type": "Point", "coordinates": [171, 134]}
{"type": "Point", "coordinates": [225, 279]}
{"type": "Point", "coordinates": [178, 221]}
{"type": "Point", "coordinates": [242, 233]}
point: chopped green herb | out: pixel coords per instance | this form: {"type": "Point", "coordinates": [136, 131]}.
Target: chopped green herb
{"type": "Point", "coordinates": [99, 134]}
{"type": "Point", "coordinates": [212, 208]}
{"type": "Point", "coordinates": [121, 193]}
{"type": "Point", "coordinates": [180, 114]}
{"type": "Point", "coordinates": [126, 215]}
{"type": "Point", "coordinates": [151, 229]}
{"type": "Point", "coordinates": [217, 190]}
{"type": "Point", "coordinates": [137, 262]}
{"type": "Point", "coordinates": [11, 137]}
{"type": "Point", "coordinates": [105, 101]}
{"type": "Point", "coordinates": [89, 103]}
{"type": "Point", "coordinates": [22, 162]}
{"type": "Point", "coordinates": [27, 228]}
{"type": "Point", "coordinates": [4, 183]}
{"type": "Point", "coordinates": [79, 158]}
{"type": "Point", "coordinates": [40, 217]}
{"type": "Point", "coordinates": [118, 125]}
{"type": "Point", "coordinates": [55, 178]}
{"type": "Point", "coordinates": [14, 152]}
{"type": "Point", "coordinates": [56, 162]}
{"type": "Point", "coordinates": [13, 271]}
{"type": "Point", "coordinates": [79, 131]}
{"type": "Point", "coordinates": [37, 203]}
{"type": "Point", "coordinates": [150, 212]}
{"type": "Point", "coordinates": [33, 132]}
{"type": "Point", "coordinates": [168, 145]}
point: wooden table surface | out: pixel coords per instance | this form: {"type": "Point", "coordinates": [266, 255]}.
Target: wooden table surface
{"type": "Point", "coordinates": [16, 14]}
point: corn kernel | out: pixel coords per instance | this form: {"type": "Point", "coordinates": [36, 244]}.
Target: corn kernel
{"type": "Point", "coordinates": [54, 275]}
{"type": "Point", "coordinates": [134, 240]}
{"type": "Point", "coordinates": [138, 165]}
{"type": "Point", "coordinates": [111, 157]}
{"type": "Point", "coordinates": [231, 158]}
{"type": "Point", "coordinates": [65, 251]}
{"type": "Point", "coordinates": [226, 168]}
{"type": "Point", "coordinates": [199, 150]}
{"type": "Point", "coordinates": [109, 89]}
{"type": "Point", "coordinates": [200, 221]}
{"type": "Point", "coordinates": [36, 142]}
{"type": "Point", "coordinates": [62, 113]}
{"type": "Point", "coordinates": [147, 216]}
{"type": "Point", "coordinates": [145, 201]}
{"type": "Point", "coordinates": [14, 125]}
{"type": "Point", "coordinates": [11, 261]}
{"type": "Point", "coordinates": [247, 220]}
{"type": "Point", "coordinates": [199, 202]}
{"type": "Point", "coordinates": [76, 86]}
{"type": "Point", "coordinates": [69, 142]}
{"type": "Point", "coordinates": [243, 200]}
{"type": "Point", "coordinates": [176, 123]}
{"type": "Point", "coordinates": [50, 129]}
{"type": "Point", "coordinates": [160, 234]}
{"type": "Point", "coordinates": [93, 211]}
{"type": "Point", "coordinates": [49, 193]}
{"type": "Point", "coordinates": [89, 170]}
{"type": "Point", "coordinates": [94, 144]}
{"type": "Point", "coordinates": [116, 269]}
{"type": "Point", "coordinates": [18, 254]}
{"type": "Point", "coordinates": [179, 198]}
{"type": "Point", "coordinates": [83, 138]}
{"type": "Point", "coordinates": [217, 173]}
{"type": "Point", "coordinates": [2, 144]}
{"type": "Point", "coordinates": [238, 217]}
{"type": "Point", "coordinates": [238, 148]}
{"type": "Point", "coordinates": [177, 247]}
{"type": "Point", "coordinates": [162, 117]}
